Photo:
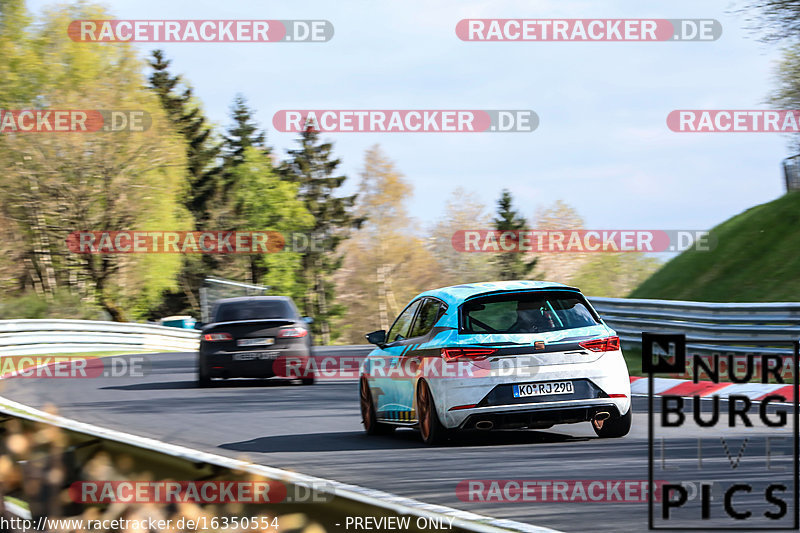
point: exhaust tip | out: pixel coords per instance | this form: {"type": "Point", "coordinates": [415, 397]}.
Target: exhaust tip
{"type": "Point", "coordinates": [484, 425]}
{"type": "Point", "coordinates": [599, 418]}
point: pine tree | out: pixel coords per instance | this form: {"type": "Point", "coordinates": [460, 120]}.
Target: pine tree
{"type": "Point", "coordinates": [203, 177]}
{"type": "Point", "coordinates": [201, 150]}
{"type": "Point", "coordinates": [312, 167]}
{"type": "Point", "coordinates": [511, 265]}
{"type": "Point", "coordinates": [240, 136]}
{"type": "Point", "coordinates": [243, 134]}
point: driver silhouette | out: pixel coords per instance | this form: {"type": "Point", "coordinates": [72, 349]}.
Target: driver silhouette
{"type": "Point", "coordinates": [532, 317]}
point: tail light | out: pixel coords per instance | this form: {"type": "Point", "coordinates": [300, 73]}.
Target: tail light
{"type": "Point", "coordinates": [216, 337]}
{"type": "Point", "coordinates": [292, 333]}
{"type": "Point", "coordinates": [451, 354]}
{"type": "Point", "coordinates": [609, 344]}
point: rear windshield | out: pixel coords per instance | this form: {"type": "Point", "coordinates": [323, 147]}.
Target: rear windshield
{"type": "Point", "coordinates": [253, 310]}
{"type": "Point", "coordinates": [526, 312]}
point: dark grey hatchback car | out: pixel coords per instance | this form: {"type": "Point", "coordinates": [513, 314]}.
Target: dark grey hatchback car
{"type": "Point", "coordinates": [253, 337]}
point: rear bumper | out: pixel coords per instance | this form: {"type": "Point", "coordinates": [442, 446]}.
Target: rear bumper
{"type": "Point", "coordinates": [223, 364]}
{"type": "Point", "coordinates": [598, 385]}
{"type": "Point", "coordinates": [541, 417]}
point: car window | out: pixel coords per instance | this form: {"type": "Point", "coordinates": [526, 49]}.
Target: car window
{"type": "Point", "coordinates": [531, 312]}
{"type": "Point", "coordinates": [253, 310]}
{"type": "Point", "coordinates": [429, 313]}
{"type": "Point", "coordinates": [399, 330]}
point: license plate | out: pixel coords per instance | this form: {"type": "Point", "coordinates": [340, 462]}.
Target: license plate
{"type": "Point", "coordinates": [268, 341]}
{"type": "Point", "coordinates": [543, 389]}
{"type": "Point", "coordinates": [251, 356]}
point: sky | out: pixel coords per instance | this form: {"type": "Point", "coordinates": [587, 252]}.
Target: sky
{"type": "Point", "coordinates": [602, 144]}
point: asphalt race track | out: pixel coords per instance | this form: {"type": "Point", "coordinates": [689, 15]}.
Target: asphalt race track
{"type": "Point", "coordinates": [316, 430]}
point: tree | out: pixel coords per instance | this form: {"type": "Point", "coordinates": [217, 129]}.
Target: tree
{"type": "Point", "coordinates": [779, 19]}
{"type": "Point", "coordinates": [243, 134]}
{"type": "Point", "coordinates": [204, 174]}
{"type": "Point", "coordinates": [267, 203]}
{"type": "Point", "coordinates": [382, 194]}
{"type": "Point", "coordinates": [20, 67]}
{"type": "Point", "coordinates": [104, 181]}
{"type": "Point", "coordinates": [511, 265]}
{"type": "Point", "coordinates": [787, 94]}
{"type": "Point", "coordinates": [386, 263]}
{"type": "Point", "coordinates": [614, 275]}
{"type": "Point", "coordinates": [202, 151]}
{"type": "Point", "coordinates": [559, 266]}
{"type": "Point", "coordinates": [242, 137]}
{"type": "Point", "coordinates": [463, 211]}
{"type": "Point", "coordinates": [313, 169]}
{"type": "Point", "coordinates": [595, 273]}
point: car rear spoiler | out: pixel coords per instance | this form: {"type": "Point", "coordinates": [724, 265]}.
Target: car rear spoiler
{"type": "Point", "coordinates": [513, 291]}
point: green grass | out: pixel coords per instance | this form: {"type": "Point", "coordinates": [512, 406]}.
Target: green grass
{"type": "Point", "coordinates": [755, 260]}
{"type": "Point", "coordinates": [633, 358]}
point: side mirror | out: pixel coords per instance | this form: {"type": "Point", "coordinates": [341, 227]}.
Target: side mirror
{"type": "Point", "coordinates": [198, 325]}
{"type": "Point", "coordinates": [308, 320]}
{"type": "Point", "coordinates": [376, 337]}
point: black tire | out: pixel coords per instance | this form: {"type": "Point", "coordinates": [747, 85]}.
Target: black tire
{"type": "Point", "coordinates": [368, 417]}
{"type": "Point", "coordinates": [430, 428]}
{"type": "Point", "coordinates": [615, 427]}
{"type": "Point", "coordinates": [308, 380]}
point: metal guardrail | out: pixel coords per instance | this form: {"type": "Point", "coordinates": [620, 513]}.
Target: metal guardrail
{"type": "Point", "coordinates": [327, 502]}
{"type": "Point", "coordinates": [31, 336]}
{"type": "Point", "coordinates": [746, 324]}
